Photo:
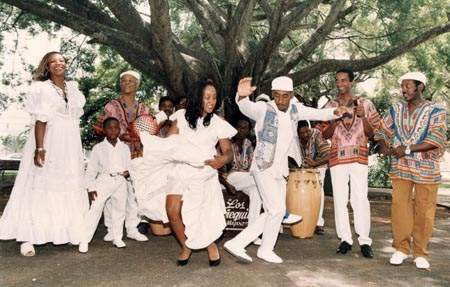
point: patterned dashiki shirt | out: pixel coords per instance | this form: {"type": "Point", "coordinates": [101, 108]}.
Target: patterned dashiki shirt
{"type": "Point", "coordinates": [426, 124]}
{"type": "Point", "coordinates": [349, 142]}
{"type": "Point", "coordinates": [242, 160]}
{"type": "Point", "coordinates": [127, 114]}
{"type": "Point", "coordinates": [316, 148]}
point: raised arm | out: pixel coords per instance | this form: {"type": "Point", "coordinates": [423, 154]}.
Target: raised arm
{"type": "Point", "coordinates": [250, 109]}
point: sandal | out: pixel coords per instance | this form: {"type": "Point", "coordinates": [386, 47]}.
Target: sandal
{"type": "Point", "coordinates": [27, 249]}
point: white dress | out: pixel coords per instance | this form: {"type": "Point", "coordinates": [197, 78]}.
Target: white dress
{"type": "Point", "coordinates": [47, 204]}
{"type": "Point", "coordinates": [174, 165]}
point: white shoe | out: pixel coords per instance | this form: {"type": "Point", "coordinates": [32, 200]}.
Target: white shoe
{"type": "Point", "coordinates": [119, 243]}
{"type": "Point", "coordinates": [257, 241]}
{"type": "Point", "coordinates": [292, 219]}
{"type": "Point", "coordinates": [422, 263]}
{"type": "Point", "coordinates": [108, 237]}
{"type": "Point", "coordinates": [270, 257]}
{"type": "Point", "coordinates": [397, 258]}
{"type": "Point", "coordinates": [27, 249]}
{"type": "Point", "coordinates": [237, 252]}
{"type": "Point", "coordinates": [137, 236]}
{"type": "Point", "coordinates": [83, 247]}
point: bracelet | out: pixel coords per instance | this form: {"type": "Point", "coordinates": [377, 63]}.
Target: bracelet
{"type": "Point", "coordinates": [39, 149]}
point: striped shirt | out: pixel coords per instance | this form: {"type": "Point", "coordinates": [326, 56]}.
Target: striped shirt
{"type": "Point", "coordinates": [316, 148]}
{"type": "Point", "coordinates": [426, 124]}
{"type": "Point", "coordinates": [349, 141]}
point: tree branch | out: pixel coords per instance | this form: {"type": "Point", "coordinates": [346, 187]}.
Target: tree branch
{"type": "Point", "coordinates": [303, 51]}
{"type": "Point", "coordinates": [125, 12]}
{"type": "Point", "coordinates": [325, 66]}
{"type": "Point", "coordinates": [212, 24]}
{"type": "Point", "coordinates": [173, 64]}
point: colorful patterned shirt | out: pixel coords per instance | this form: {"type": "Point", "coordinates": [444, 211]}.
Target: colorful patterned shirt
{"type": "Point", "coordinates": [349, 141]}
{"type": "Point", "coordinates": [426, 124]}
{"type": "Point", "coordinates": [127, 114]}
{"type": "Point", "coordinates": [316, 148]}
{"type": "Point", "coordinates": [242, 160]}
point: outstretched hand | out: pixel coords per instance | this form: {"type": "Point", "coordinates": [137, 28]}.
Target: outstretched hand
{"type": "Point", "coordinates": [215, 163]}
{"type": "Point", "coordinates": [245, 87]}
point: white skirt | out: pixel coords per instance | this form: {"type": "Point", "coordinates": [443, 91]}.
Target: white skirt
{"type": "Point", "coordinates": [48, 204]}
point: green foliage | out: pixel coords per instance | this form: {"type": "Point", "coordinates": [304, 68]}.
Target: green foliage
{"type": "Point", "coordinates": [378, 173]}
{"type": "Point", "coordinates": [14, 144]}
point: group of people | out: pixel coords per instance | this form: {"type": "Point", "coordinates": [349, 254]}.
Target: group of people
{"type": "Point", "coordinates": [170, 167]}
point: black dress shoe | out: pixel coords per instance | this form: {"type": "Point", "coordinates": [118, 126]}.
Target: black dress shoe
{"type": "Point", "coordinates": [344, 247]}
{"type": "Point", "coordinates": [214, 263]}
{"type": "Point", "coordinates": [319, 230]}
{"type": "Point", "coordinates": [367, 251]}
{"type": "Point", "coordinates": [143, 227]}
{"type": "Point", "coordinates": [183, 262]}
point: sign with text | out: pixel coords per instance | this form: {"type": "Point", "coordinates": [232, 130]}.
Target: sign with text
{"type": "Point", "coordinates": [236, 210]}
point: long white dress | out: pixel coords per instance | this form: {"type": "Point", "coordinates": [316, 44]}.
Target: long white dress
{"type": "Point", "coordinates": [47, 204]}
{"type": "Point", "coordinates": [174, 165]}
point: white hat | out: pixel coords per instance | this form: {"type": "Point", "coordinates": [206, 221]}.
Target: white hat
{"type": "Point", "coordinates": [417, 76]}
{"type": "Point", "coordinates": [131, 73]}
{"type": "Point", "coordinates": [262, 97]}
{"type": "Point", "coordinates": [282, 84]}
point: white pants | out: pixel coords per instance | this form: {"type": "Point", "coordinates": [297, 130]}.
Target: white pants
{"type": "Point", "coordinates": [132, 217]}
{"type": "Point", "coordinates": [357, 175]}
{"type": "Point", "coordinates": [244, 182]}
{"type": "Point", "coordinates": [113, 190]}
{"type": "Point", "coordinates": [321, 221]}
{"type": "Point", "coordinates": [273, 194]}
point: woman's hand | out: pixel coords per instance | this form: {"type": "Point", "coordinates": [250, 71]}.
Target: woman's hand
{"type": "Point", "coordinates": [39, 157]}
{"type": "Point", "coordinates": [217, 162]}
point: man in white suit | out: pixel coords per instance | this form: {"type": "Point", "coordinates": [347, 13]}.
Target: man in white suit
{"type": "Point", "coordinates": [275, 129]}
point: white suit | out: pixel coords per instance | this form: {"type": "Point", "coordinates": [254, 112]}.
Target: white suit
{"type": "Point", "coordinates": [271, 182]}
{"type": "Point", "coordinates": [105, 162]}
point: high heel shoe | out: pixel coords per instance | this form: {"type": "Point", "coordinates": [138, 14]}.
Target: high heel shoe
{"type": "Point", "coordinates": [214, 263]}
{"type": "Point", "coordinates": [184, 262]}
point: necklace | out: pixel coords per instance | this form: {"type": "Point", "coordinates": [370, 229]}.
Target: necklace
{"type": "Point", "coordinates": [61, 92]}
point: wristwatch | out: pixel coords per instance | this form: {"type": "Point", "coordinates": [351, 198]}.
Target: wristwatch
{"type": "Point", "coordinates": [408, 150]}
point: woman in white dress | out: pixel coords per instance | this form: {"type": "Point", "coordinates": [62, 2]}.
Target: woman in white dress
{"type": "Point", "coordinates": [48, 202]}
{"type": "Point", "coordinates": [194, 204]}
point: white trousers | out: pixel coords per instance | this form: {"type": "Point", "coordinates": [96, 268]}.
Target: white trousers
{"type": "Point", "coordinates": [114, 191]}
{"type": "Point", "coordinates": [132, 217]}
{"type": "Point", "coordinates": [273, 194]}
{"type": "Point", "coordinates": [244, 182]}
{"type": "Point", "coordinates": [357, 175]}
{"type": "Point", "coordinates": [321, 221]}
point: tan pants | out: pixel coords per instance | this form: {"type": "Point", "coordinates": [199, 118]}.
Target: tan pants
{"type": "Point", "coordinates": [413, 209]}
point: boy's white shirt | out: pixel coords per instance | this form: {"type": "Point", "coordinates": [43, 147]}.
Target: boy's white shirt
{"type": "Point", "coordinates": [105, 159]}
{"type": "Point", "coordinates": [257, 111]}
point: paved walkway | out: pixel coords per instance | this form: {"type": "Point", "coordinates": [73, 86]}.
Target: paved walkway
{"type": "Point", "coordinates": [311, 262]}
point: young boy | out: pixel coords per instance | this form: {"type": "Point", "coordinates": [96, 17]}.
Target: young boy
{"type": "Point", "coordinates": [106, 178]}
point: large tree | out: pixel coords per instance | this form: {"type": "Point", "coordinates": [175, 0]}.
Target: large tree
{"type": "Point", "coordinates": [176, 42]}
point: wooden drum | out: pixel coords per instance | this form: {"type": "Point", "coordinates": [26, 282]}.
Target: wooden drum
{"type": "Point", "coordinates": [160, 229]}
{"type": "Point", "coordinates": [303, 198]}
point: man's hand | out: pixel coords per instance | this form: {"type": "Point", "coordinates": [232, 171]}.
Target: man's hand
{"type": "Point", "coordinates": [245, 87]}
{"type": "Point", "coordinates": [92, 196]}
{"type": "Point", "coordinates": [339, 111]}
{"type": "Point", "coordinates": [215, 163]}
{"type": "Point", "coordinates": [399, 151]}
{"type": "Point", "coordinates": [359, 111]}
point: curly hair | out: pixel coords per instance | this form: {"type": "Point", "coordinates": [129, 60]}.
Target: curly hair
{"type": "Point", "coordinates": [42, 73]}
{"type": "Point", "coordinates": [194, 107]}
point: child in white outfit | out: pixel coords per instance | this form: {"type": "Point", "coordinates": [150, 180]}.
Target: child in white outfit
{"type": "Point", "coordinates": [106, 178]}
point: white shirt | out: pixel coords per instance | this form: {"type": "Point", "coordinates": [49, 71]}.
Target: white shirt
{"type": "Point", "coordinates": [105, 159]}
{"type": "Point", "coordinates": [287, 139]}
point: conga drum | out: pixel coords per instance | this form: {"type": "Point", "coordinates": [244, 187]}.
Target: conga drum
{"type": "Point", "coordinates": [160, 229]}
{"type": "Point", "coordinates": [303, 198]}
